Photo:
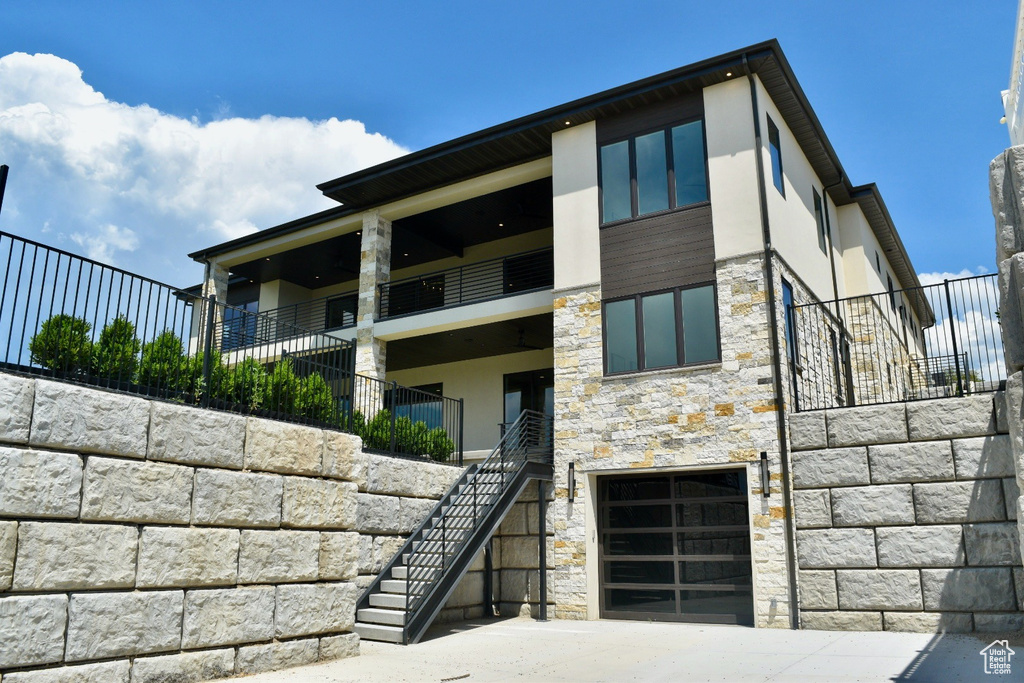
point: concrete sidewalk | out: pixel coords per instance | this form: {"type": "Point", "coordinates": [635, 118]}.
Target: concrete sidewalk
{"type": "Point", "coordinates": [502, 650]}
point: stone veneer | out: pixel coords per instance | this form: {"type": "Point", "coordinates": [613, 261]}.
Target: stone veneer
{"type": "Point", "coordinates": [906, 517]}
{"type": "Point", "coordinates": [147, 541]}
{"type": "Point", "coordinates": [721, 414]}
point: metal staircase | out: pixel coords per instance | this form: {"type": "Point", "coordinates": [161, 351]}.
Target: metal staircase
{"type": "Point", "coordinates": [403, 600]}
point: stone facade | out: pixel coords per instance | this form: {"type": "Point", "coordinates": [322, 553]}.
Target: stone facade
{"type": "Point", "coordinates": [906, 517]}
{"type": "Point", "coordinates": [1006, 187]}
{"type": "Point", "coordinates": [154, 551]}
{"type": "Point", "coordinates": [374, 268]}
{"type": "Point", "coordinates": [717, 415]}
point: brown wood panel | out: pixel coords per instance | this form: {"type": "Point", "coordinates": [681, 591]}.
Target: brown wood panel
{"type": "Point", "coordinates": [685, 108]}
{"type": "Point", "coordinates": [668, 250]}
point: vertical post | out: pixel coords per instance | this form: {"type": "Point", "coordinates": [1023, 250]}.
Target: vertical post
{"type": "Point", "coordinates": [952, 334]}
{"type": "Point", "coordinates": [542, 526]}
{"type": "Point", "coordinates": [394, 404]}
{"type": "Point", "coordinates": [211, 303]}
{"type": "Point", "coordinates": [462, 429]}
{"type": "Point", "coordinates": [489, 578]}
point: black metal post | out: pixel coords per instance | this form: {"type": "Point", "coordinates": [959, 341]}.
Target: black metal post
{"type": "Point", "coordinates": [462, 429]}
{"type": "Point", "coordinates": [3, 183]}
{"type": "Point", "coordinates": [211, 304]}
{"type": "Point", "coordinates": [489, 579]}
{"type": "Point", "coordinates": [952, 334]}
{"type": "Point", "coordinates": [542, 526]}
{"type": "Point", "coordinates": [394, 404]}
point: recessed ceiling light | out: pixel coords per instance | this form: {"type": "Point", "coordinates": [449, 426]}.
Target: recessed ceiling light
{"type": "Point", "coordinates": [317, 277]}
{"type": "Point", "coordinates": [728, 73]}
{"type": "Point", "coordinates": [568, 123]}
{"type": "Point", "coordinates": [404, 254]}
{"type": "Point", "coordinates": [501, 225]}
{"type": "Point", "coordinates": [268, 258]}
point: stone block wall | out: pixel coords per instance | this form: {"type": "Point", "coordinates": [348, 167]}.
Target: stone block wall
{"type": "Point", "coordinates": [906, 517]}
{"type": "Point", "coordinates": [148, 541]}
{"type": "Point", "coordinates": [516, 561]}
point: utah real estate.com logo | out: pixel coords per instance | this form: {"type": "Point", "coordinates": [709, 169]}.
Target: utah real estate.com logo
{"type": "Point", "coordinates": [997, 657]}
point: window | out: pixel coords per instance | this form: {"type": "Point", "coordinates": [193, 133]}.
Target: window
{"type": "Point", "coordinates": [661, 330]}
{"type": "Point", "coordinates": [787, 306]}
{"type": "Point", "coordinates": [420, 294]}
{"type": "Point", "coordinates": [878, 263]}
{"type": "Point", "coordinates": [775, 148]}
{"type": "Point", "coordinates": [653, 172]}
{"type": "Point", "coordinates": [341, 311]}
{"type": "Point", "coordinates": [819, 219]}
{"type": "Point", "coordinates": [240, 325]}
{"type": "Point", "coordinates": [420, 404]}
{"type": "Point", "coordinates": [892, 294]}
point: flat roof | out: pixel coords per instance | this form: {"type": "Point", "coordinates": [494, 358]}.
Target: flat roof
{"type": "Point", "coordinates": [529, 137]}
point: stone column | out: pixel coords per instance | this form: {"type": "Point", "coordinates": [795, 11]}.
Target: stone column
{"type": "Point", "coordinates": [374, 268]}
{"type": "Point", "coordinates": [215, 282]}
{"type": "Point", "coordinates": [1006, 186]}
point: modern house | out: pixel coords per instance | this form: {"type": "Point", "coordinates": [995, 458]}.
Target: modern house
{"type": "Point", "coordinates": [629, 264]}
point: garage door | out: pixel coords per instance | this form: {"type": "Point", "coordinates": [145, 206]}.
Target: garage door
{"type": "Point", "coordinates": [676, 547]}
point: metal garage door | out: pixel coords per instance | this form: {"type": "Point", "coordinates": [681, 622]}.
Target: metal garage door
{"type": "Point", "coordinates": [676, 547]}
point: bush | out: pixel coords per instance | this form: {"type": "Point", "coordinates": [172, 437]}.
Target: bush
{"type": "Point", "coordinates": [377, 432]}
{"type": "Point", "coordinates": [438, 446]}
{"type": "Point", "coordinates": [163, 362]}
{"type": "Point", "coordinates": [62, 343]}
{"type": "Point", "coordinates": [116, 354]}
{"type": "Point", "coordinates": [247, 384]}
{"type": "Point", "coordinates": [191, 380]}
{"type": "Point", "coordinates": [283, 388]}
{"type": "Point", "coordinates": [316, 400]}
{"type": "Point", "coordinates": [413, 438]}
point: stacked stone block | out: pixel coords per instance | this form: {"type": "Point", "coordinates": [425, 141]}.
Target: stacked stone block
{"type": "Point", "coordinates": [516, 560]}
{"type": "Point", "coordinates": [1006, 187]}
{"type": "Point", "coordinates": [906, 517]}
{"type": "Point", "coordinates": [184, 544]}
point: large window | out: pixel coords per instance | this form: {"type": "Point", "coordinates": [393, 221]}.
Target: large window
{"type": "Point", "coordinates": [660, 330]}
{"type": "Point", "coordinates": [653, 172]}
{"type": "Point", "coordinates": [775, 149]}
{"type": "Point", "coordinates": [341, 311]}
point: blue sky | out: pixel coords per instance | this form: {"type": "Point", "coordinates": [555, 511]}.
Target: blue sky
{"type": "Point", "coordinates": [241, 99]}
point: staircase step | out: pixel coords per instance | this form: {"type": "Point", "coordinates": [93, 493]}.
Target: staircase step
{"type": "Point", "coordinates": [387, 634]}
{"type": "Point", "coordinates": [388, 617]}
{"type": "Point", "coordinates": [388, 600]}
{"type": "Point", "coordinates": [399, 572]}
{"type": "Point", "coordinates": [392, 586]}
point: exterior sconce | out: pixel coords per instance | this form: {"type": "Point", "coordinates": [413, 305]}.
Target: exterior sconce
{"type": "Point", "coordinates": [572, 482]}
{"type": "Point", "coordinates": [765, 475]}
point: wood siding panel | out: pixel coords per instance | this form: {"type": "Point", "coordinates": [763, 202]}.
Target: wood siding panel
{"type": "Point", "coordinates": [685, 108]}
{"type": "Point", "coordinates": [670, 250]}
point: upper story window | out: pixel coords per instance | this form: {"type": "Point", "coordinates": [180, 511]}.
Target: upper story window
{"type": "Point", "coordinates": [654, 172]}
{"type": "Point", "coordinates": [775, 148]}
{"type": "Point", "coordinates": [878, 263]}
{"type": "Point", "coordinates": [819, 219]}
{"type": "Point", "coordinates": [661, 330]}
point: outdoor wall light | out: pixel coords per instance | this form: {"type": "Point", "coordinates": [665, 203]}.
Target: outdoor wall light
{"type": "Point", "coordinates": [765, 475]}
{"type": "Point", "coordinates": [572, 482]}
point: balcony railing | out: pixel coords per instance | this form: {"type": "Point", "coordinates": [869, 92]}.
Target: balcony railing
{"type": "Point", "coordinates": [494, 279]}
{"type": "Point", "coordinates": [76, 320]}
{"type": "Point", "coordinates": [335, 312]}
{"type": "Point", "coordinates": [872, 349]}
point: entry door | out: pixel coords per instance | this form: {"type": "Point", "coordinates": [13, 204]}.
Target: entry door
{"type": "Point", "coordinates": [676, 547]}
{"type": "Point", "coordinates": [533, 390]}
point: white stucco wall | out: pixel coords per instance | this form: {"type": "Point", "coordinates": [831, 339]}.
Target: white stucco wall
{"type": "Point", "coordinates": [574, 179]}
{"type": "Point", "coordinates": [793, 225]}
{"type": "Point", "coordinates": [732, 170]}
{"type": "Point", "coordinates": [480, 383]}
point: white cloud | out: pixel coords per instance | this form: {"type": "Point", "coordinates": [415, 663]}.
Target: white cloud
{"type": "Point", "coordinates": [142, 187]}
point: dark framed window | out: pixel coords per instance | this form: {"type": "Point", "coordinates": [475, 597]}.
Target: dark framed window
{"type": "Point", "coordinates": [653, 172]}
{"type": "Point", "coordinates": [892, 293]}
{"type": "Point", "coordinates": [240, 324]}
{"type": "Point", "coordinates": [775, 150]}
{"type": "Point", "coordinates": [878, 263]}
{"type": "Point", "coordinates": [420, 404]}
{"type": "Point", "coordinates": [819, 219]}
{"type": "Point", "coordinates": [341, 311]}
{"type": "Point", "coordinates": [791, 337]}
{"type": "Point", "coordinates": [661, 329]}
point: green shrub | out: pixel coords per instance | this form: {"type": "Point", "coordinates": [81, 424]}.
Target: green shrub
{"type": "Point", "coordinates": [316, 400]}
{"type": "Point", "coordinates": [116, 354]}
{"type": "Point", "coordinates": [191, 380]}
{"type": "Point", "coordinates": [357, 424]}
{"type": "Point", "coordinates": [163, 362]}
{"type": "Point", "coordinates": [438, 446]}
{"type": "Point", "coordinates": [377, 432]}
{"type": "Point", "coordinates": [247, 384]}
{"type": "Point", "coordinates": [62, 343]}
{"type": "Point", "coordinates": [283, 388]}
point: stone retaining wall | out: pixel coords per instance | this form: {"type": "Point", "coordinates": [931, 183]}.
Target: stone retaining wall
{"type": "Point", "coordinates": [906, 517]}
{"type": "Point", "coordinates": [516, 561]}
{"type": "Point", "coordinates": [173, 543]}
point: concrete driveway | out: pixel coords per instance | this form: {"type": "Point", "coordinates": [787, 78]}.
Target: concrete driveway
{"type": "Point", "coordinates": [509, 649]}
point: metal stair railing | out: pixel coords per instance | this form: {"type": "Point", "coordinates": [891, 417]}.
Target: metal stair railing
{"type": "Point", "coordinates": [438, 559]}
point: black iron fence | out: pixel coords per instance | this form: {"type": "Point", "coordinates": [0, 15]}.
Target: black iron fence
{"type": "Point", "coordinates": [334, 312]}
{"type": "Point", "coordinates": [937, 340]}
{"type": "Point", "coordinates": [493, 279]}
{"type": "Point", "coordinates": [74, 319]}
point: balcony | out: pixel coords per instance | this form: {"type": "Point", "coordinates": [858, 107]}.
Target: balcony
{"type": "Point", "coordinates": [498, 278]}
{"type": "Point", "coordinates": [335, 312]}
